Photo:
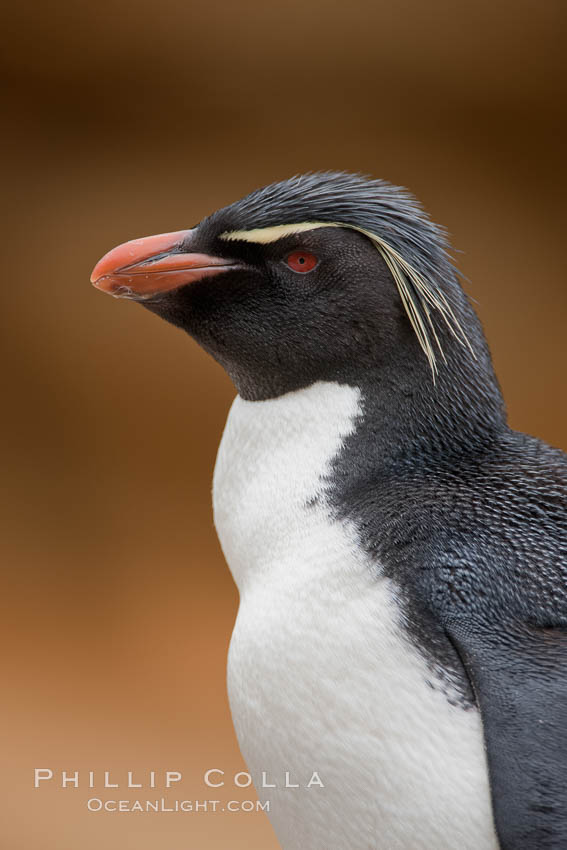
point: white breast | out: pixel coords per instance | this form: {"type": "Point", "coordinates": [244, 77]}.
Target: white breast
{"type": "Point", "coordinates": [321, 676]}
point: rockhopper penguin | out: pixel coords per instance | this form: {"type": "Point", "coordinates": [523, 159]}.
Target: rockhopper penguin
{"type": "Point", "coordinates": [401, 554]}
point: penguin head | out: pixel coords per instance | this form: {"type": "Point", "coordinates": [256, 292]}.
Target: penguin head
{"type": "Point", "coordinates": [321, 277]}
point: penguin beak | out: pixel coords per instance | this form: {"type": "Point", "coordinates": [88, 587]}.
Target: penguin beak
{"type": "Point", "coordinates": [146, 268]}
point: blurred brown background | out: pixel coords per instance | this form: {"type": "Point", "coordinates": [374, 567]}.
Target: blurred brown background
{"type": "Point", "coordinates": [130, 118]}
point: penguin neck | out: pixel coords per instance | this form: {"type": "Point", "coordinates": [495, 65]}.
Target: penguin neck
{"type": "Point", "coordinates": [408, 416]}
{"type": "Point", "coordinates": [405, 414]}
{"type": "Point", "coordinates": [407, 411]}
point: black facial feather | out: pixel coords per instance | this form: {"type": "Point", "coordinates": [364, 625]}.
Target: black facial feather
{"type": "Point", "coordinates": [413, 247]}
{"type": "Point", "coordinates": [346, 320]}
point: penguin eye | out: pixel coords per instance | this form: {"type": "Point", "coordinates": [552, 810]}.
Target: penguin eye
{"type": "Point", "coordinates": [301, 261]}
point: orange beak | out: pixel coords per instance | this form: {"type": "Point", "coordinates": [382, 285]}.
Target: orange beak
{"type": "Point", "coordinates": [143, 268]}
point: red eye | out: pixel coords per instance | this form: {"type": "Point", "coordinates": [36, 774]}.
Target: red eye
{"type": "Point", "coordinates": [302, 261]}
